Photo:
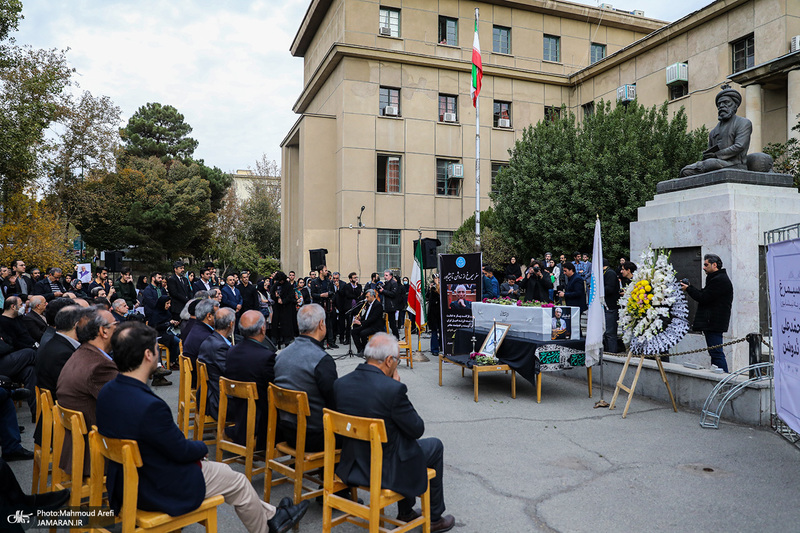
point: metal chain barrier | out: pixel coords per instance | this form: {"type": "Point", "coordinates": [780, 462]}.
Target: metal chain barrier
{"type": "Point", "coordinates": [699, 350]}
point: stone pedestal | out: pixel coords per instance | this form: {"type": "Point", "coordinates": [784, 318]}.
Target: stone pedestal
{"type": "Point", "coordinates": [724, 212]}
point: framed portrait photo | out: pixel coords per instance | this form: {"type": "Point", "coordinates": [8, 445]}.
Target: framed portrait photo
{"type": "Point", "coordinates": [493, 340]}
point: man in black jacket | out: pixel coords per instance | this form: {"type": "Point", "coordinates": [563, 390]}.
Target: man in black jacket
{"type": "Point", "coordinates": [574, 294]}
{"type": "Point", "coordinates": [369, 320]}
{"type": "Point", "coordinates": [50, 286]}
{"type": "Point", "coordinates": [389, 292]}
{"type": "Point", "coordinates": [322, 293]}
{"type": "Point", "coordinates": [179, 289]}
{"type": "Point", "coordinates": [251, 360]}
{"type": "Point", "coordinates": [714, 307]}
{"type": "Point", "coordinates": [351, 294]}
{"type": "Point", "coordinates": [611, 286]}
{"type": "Point", "coordinates": [536, 283]}
{"type": "Point", "coordinates": [374, 390]}
{"type": "Point", "coordinates": [34, 321]}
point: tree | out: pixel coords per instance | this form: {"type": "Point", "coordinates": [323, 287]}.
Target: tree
{"type": "Point", "coordinates": [159, 214]}
{"type": "Point", "coordinates": [32, 232]}
{"type": "Point", "coordinates": [160, 131]}
{"type": "Point", "coordinates": [10, 15]}
{"type": "Point", "coordinates": [787, 155]}
{"type": "Point", "coordinates": [262, 209]}
{"type": "Point", "coordinates": [31, 99]}
{"type": "Point", "coordinates": [562, 174]}
{"type": "Point", "coordinates": [495, 247]}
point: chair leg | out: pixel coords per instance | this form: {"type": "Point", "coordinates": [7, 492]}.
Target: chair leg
{"type": "Point", "coordinates": [327, 515]}
{"type": "Point", "coordinates": [426, 509]}
{"type": "Point", "coordinates": [37, 460]}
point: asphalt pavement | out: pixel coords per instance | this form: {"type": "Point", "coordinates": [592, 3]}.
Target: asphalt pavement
{"type": "Point", "coordinates": [512, 465]}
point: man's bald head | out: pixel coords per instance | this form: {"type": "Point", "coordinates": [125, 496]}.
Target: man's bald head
{"type": "Point", "coordinates": [252, 325]}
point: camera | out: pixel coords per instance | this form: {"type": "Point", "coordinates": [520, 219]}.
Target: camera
{"type": "Point", "coordinates": [537, 269]}
{"type": "Point", "coordinates": [685, 281]}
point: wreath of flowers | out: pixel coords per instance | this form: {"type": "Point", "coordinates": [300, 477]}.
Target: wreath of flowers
{"type": "Point", "coordinates": [653, 310]}
{"type": "Point", "coordinates": [482, 358]}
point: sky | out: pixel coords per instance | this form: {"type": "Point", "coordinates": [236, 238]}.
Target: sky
{"type": "Point", "coordinates": [225, 65]}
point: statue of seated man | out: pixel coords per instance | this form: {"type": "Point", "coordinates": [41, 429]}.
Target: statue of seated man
{"type": "Point", "coordinates": [728, 141]}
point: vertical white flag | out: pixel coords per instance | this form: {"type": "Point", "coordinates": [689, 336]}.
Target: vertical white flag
{"type": "Point", "coordinates": [596, 318]}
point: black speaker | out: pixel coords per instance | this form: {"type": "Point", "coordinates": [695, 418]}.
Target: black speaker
{"type": "Point", "coordinates": [114, 260]}
{"type": "Point", "coordinates": [317, 257]}
{"type": "Point", "coordinates": [429, 247]}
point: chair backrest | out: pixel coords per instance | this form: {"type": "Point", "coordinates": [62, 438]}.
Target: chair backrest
{"type": "Point", "coordinates": [185, 394]}
{"type": "Point", "coordinates": [126, 453]}
{"type": "Point", "coordinates": [69, 420]}
{"type": "Point", "coordinates": [290, 401]}
{"type": "Point", "coordinates": [45, 405]}
{"type": "Point", "coordinates": [246, 390]}
{"type": "Point", "coordinates": [372, 430]}
{"type": "Point", "coordinates": [202, 392]}
{"type": "Point", "coordinates": [386, 322]}
{"type": "Point", "coordinates": [408, 330]}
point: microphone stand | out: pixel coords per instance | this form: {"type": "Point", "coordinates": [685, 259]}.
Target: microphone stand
{"type": "Point", "coordinates": [350, 353]}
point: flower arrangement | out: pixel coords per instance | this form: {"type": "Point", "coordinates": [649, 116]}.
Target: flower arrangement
{"type": "Point", "coordinates": [482, 358]}
{"type": "Point", "coordinates": [519, 303]}
{"type": "Point", "coordinates": [653, 310]}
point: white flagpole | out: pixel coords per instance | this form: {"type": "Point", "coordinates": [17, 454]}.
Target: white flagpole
{"type": "Point", "coordinates": [477, 164]}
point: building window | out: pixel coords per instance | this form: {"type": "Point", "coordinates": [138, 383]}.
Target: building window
{"type": "Point", "coordinates": [389, 98]}
{"type": "Point", "coordinates": [588, 110]}
{"type": "Point", "coordinates": [448, 181]}
{"type": "Point", "coordinates": [448, 108]}
{"type": "Point", "coordinates": [743, 53]}
{"type": "Point", "coordinates": [552, 49]}
{"type": "Point", "coordinates": [388, 173]}
{"type": "Point", "coordinates": [448, 31]}
{"type": "Point", "coordinates": [678, 90]}
{"type": "Point", "coordinates": [496, 170]}
{"type": "Point", "coordinates": [389, 22]}
{"type": "Point", "coordinates": [552, 113]}
{"type": "Point", "coordinates": [596, 52]}
{"type": "Point", "coordinates": [388, 250]}
{"type": "Point", "coordinates": [501, 40]}
{"type": "Point", "coordinates": [445, 237]}
{"type": "Point", "coordinates": [502, 114]}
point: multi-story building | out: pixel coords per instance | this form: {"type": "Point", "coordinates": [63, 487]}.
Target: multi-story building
{"type": "Point", "coordinates": [387, 123]}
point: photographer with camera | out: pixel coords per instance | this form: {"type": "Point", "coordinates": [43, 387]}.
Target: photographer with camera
{"type": "Point", "coordinates": [392, 297]}
{"type": "Point", "coordinates": [537, 284]}
{"type": "Point", "coordinates": [322, 291]}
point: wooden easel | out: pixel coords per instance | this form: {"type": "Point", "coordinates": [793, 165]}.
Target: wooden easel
{"type": "Point", "coordinates": [630, 390]}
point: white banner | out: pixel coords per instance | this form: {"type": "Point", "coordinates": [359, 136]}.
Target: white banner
{"type": "Point", "coordinates": [783, 268]}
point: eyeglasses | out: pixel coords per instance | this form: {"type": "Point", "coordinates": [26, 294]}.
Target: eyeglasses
{"type": "Point", "coordinates": [109, 325]}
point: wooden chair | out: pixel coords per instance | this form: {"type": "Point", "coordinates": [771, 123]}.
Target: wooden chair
{"type": "Point", "coordinates": [294, 464]}
{"type": "Point", "coordinates": [163, 348]}
{"type": "Point", "coordinates": [42, 454]}
{"type": "Point", "coordinates": [187, 404]}
{"type": "Point", "coordinates": [246, 454]}
{"type": "Point", "coordinates": [202, 422]}
{"type": "Point", "coordinates": [369, 516]}
{"type": "Point", "coordinates": [386, 322]}
{"type": "Point", "coordinates": [69, 420]}
{"type": "Point", "coordinates": [126, 453]}
{"type": "Point", "coordinates": [405, 345]}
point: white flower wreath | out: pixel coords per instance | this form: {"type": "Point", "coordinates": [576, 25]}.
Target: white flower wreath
{"type": "Point", "coordinates": [653, 311]}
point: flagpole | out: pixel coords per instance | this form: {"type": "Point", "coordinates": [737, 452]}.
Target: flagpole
{"type": "Point", "coordinates": [477, 163]}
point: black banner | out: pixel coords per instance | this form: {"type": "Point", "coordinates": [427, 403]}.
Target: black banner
{"type": "Point", "coordinates": [460, 286]}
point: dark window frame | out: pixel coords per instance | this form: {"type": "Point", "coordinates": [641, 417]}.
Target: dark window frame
{"type": "Point", "coordinates": [501, 40]}
{"type": "Point", "coordinates": [390, 97]}
{"type": "Point", "coordinates": [450, 102]}
{"type": "Point", "coordinates": [383, 180]}
{"type": "Point", "coordinates": [592, 56]}
{"type": "Point", "coordinates": [446, 37]}
{"type": "Point", "coordinates": [547, 54]}
{"type": "Point", "coordinates": [447, 187]}
{"type": "Point", "coordinates": [498, 107]}
{"type": "Point", "coordinates": [743, 53]}
{"type": "Point", "coordinates": [394, 32]}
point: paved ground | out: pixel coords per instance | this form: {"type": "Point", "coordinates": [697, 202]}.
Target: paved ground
{"type": "Point", "coordinates": [519, 466]}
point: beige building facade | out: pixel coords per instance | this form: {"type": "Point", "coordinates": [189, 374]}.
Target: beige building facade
{"type": "Point", "coordinates": [386, 120]}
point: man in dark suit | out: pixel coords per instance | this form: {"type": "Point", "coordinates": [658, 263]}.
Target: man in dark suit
{"type": "Point", "coordinates": [203, 283]}
{"type": "Point", "coordinates": [174, 477]}
{"type": "Point", "coordinates": [389, 293]}
{"type": "Point", "coordinates": [351, 294]}
{"type": "Point", "coordinates": [151, 294]}
{"type": "Point", "coordinates": [249, 294]}
{"type": "Point", "coordinates": [24, 285]}
{"type": "Point", "coordinates": [213, 352]}
{"type": "Point", "coordinates": [12, 328]}
{"type": "Point", "coordinates": [374, 390]}
{"type": "Point", "coordinates": [368, 321]}
{"type": "Point", "coordinates": [179, 289]}
{"type": "Point", "coordinates": [461, 301]}
{"type": "Point", "coordinates": [204, 313]}
{"type": "Point", "coordinates": [85, 373]}
{"type": "Point", "coordinates": [251, 360]}
{"type": "Point", "coordinates": [50, 286]}
{"type": "Point", "coordinates": [34, 321]}
{"type": "Point", "coordinates": [574, 293]}
{"type": "Point", "coordinates": [231, 297]}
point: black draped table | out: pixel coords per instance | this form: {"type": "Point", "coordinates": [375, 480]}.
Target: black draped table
{"type": "Point", "coordinates": [529, 355]}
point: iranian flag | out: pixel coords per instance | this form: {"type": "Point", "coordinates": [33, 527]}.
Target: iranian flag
{"type": "Point", "coordinates": [477, 66]}
{"type": "Point", "coordinates": [416, 289]}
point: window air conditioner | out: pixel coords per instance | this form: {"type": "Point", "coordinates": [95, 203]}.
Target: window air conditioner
{"type": "Point", "coordinates": [449, 117]}
{"type": "Point", "coordinates": [385, 30]}
{"type": "Point", "coordinates": [455, 170]}
{"type": "Point", "coordinates": [606, 6]}
{"type": "Point", "coordinates": [504, 123]}
{"type": "Point", "coordinates": [638, 12]}
{"type": "Point", "coordinates": [390, 111]}
{"type": "Point", "coordinates": [794, 46]}
{"type": "Point", "coordinates": [626, 93]}
{"type": "Point", "coordinates": [677, 73]}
